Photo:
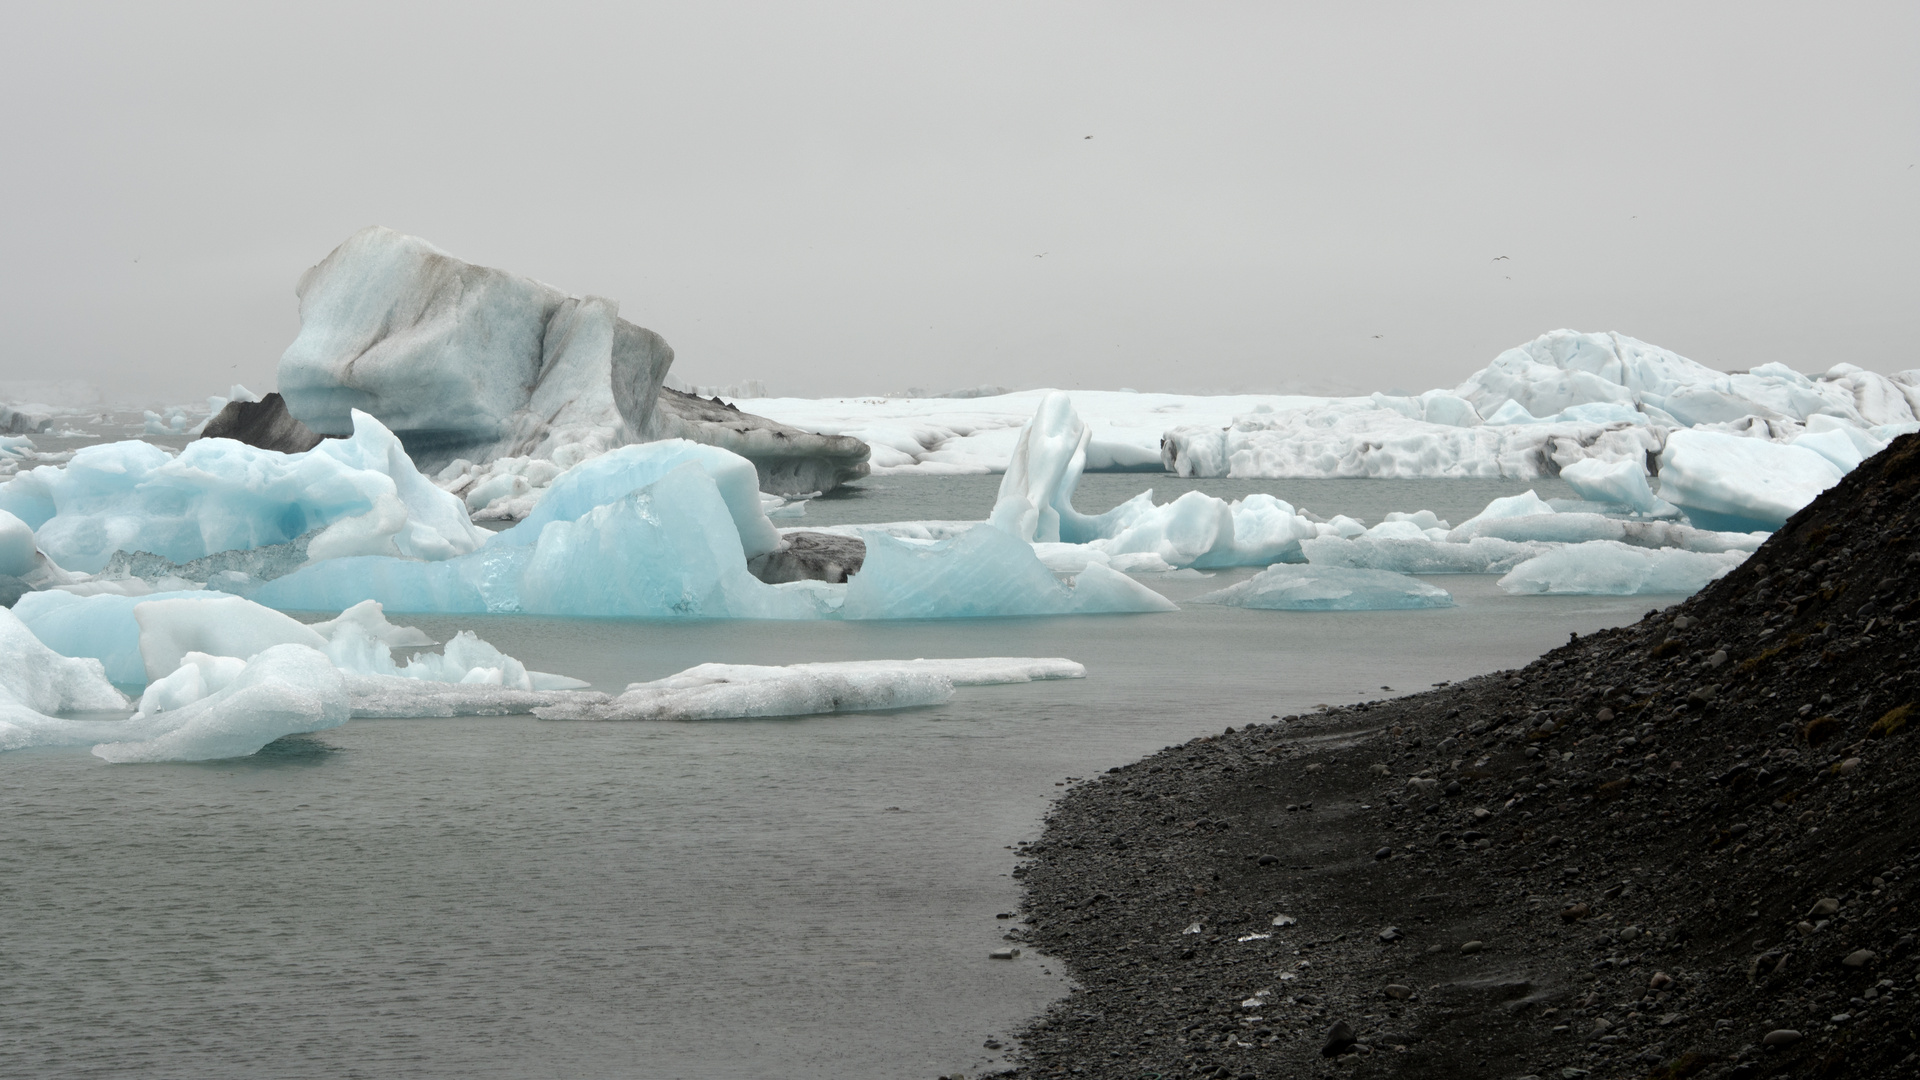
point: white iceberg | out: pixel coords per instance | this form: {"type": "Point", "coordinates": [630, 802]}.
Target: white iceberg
{"type": "Point", "coordinates": [1286, 587]}
{"type": "Point", "coordinates": [1035, 504]}
{"type": "Point", "coordinates": [1480, 555]}
{"type": "Point", "coordinates": [286, 690]}
{"type": "Point", "coordinates": [1731, 482]}
{"type": "Point", "coordinates": [1608, 568]}
{"type": "Point", "coordinates": [36, 677]}
{"type": "Point", "coordinates": [1623, 483]}
{"type": "Point", "coordinates": [732, 691]}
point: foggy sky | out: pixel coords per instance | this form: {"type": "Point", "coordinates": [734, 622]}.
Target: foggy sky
{"type": "Point", "coordinates": [848, 198]}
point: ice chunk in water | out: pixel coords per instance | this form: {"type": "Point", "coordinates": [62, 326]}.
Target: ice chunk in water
{"type": "Point", "coordinates": [725, 691]}
{"type": "Point", "coordinates": [1329, 588]}
{"type": "Point", "coordinates": [287, 689]}
{"type": "Point", "coordinates": [215, 625]}
{"type": "Point", "coordinates": [362, 493]}
{"type": "Point", "coordinates": [198, 676]}
{"type": "Point", "coordinates": [18, 553]}
{"type": "Point", "coordinates": [1035, 504]}
{"type": "Point", "coordinates": [101, 627]}
{"type": "Point", "coordinates": [982, 572]}
{"type": "Point", "coordinates": [615, 475]}
{"type": "Point", "coordinates": [1608, 568]}
{"type": "Point", "coordinates": [670, 549]}
{"type": "Point", "coordinates": [40, 679]}
{"type": "Point", "coordinates": [1728, 481]}
{"type": "Point", "coordinates": [1481, 555]}
{"type": "Point", "coordinates": [282, 691]}
{"type": "Point", "coordinates": [1620, 482]}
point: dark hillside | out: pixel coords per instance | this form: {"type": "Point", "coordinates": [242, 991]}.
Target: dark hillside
{"type": "Point", "coordinates": [1687, 847]}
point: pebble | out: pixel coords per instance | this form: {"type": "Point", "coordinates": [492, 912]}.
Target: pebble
{"type": "Point", "coordinates": [1390, 935]}
{"type": "Point", "coordinates": [1575, 912]}
{"type": "Point", "coordinates": [1481, 813]}
{"type": "Point", "coordinates": [1383, 853]}
{"type": "Point", "coordinates": [1660, 981]}
{"type": "Point", "coordinates": [1003, 954]}
{"type": "Point", "coordinates": [1826, 905]}
{"type": "Point", "coordinates": [1781, 1037]}
{"type": "Point", "coordinates": [1399, 991]}
{"type": "Point", "coordinates": [1605, 715]}
{"type": "Point", "coordinates": [1719, 657]}
{"type": "Point", "coordinates": [1859, 958]}
{"type": "Point", "coordinates": [1340, 1039]}
{"type": "Point", "coordinates": [1472, 947]}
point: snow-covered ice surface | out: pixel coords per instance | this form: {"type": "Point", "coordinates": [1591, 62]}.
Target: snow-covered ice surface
{"type": "Point", "coordinates": [1564, 398]}
{"type": "Point", "coordinates": [1329, 588]}
{"type": "Point", "coordinates": [1608, 568]}
{"type": "Point", "coordinates": [734, 691]}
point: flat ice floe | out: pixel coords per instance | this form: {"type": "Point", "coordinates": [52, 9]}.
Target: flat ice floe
{"type": "Point", "coordinates": [1608, 568]}
{"type": "Point", "coordinates": [737, 691]}
{"type": "Point", "coordinates": [1329, 588]}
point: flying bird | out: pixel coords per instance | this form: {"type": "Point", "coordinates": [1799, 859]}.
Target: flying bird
{"type": "Point", "coordinates": [1497, 258]}
{"type": "Point", "coordinates": [1379, 335]}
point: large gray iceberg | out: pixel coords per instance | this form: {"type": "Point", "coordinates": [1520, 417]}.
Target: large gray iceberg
{"type": "Point", "coordinates": [471, 366]}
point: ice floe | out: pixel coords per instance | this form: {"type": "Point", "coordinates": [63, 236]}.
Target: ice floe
{"type": "Point", "coordinates": [733, 691]}
{"type": "Point", "coordinates": [1609, 568]}
{"type": "Point", "coordinates": [1284, 587]}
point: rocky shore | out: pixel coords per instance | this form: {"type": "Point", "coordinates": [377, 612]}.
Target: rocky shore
{"type": "Point", "coordinates": [1681, 848]}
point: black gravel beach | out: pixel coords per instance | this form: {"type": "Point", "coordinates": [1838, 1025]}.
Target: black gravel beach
{"type": "Point", "coordinates": [1681, 848]}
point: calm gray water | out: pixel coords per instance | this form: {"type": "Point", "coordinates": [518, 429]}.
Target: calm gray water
{"type": "Point", "coordinates": [518, 898]}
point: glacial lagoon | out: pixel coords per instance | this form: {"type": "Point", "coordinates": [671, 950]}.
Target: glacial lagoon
{"type": "Point", "coordinates": [811, 897]}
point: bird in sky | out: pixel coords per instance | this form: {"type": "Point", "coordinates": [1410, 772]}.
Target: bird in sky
{"type": "Point", "coordinates": [1089, 136]}
{"type": "Point", "coordinates": [1042, 255]}
{"type": "Point", "coordinates": [1497, 258]}
{"type": "Point", "coordinates": [1379, 335]}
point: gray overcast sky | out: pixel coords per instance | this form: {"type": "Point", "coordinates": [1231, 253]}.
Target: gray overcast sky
{"type": "Point", "coordinates": [843, 198]}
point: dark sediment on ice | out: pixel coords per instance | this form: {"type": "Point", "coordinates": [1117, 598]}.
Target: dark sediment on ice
{"type": "Point", "coordinates": [1683, 848]}
{"type": "Point", "coordinates": [264, 423]}
{"type": "Point", "coordinates": [811, 556]}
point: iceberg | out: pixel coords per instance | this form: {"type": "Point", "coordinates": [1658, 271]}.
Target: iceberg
{"type": "Point", "coordinates": [1284, 587]}
{"type": "Point", "coordinates": [1732, 482]}
{"type": "Point", "coordinates": [1480, 555]}
{"type": "Point", "coordinates": [216, 625]}
{"type": "Point", "coordinates": [981, 573]}
{"type": "Point", "coordinates": [37, 678]}
{"type": "Point", "coordinates": [735, 691]}
{"type": "Point", "coordinates": [362, 494]}
{"type": "Point", "coordinates": [484, 373]}
{"type": "Point", "coordinates": [19, 555]}
{"type": "Point", "coordinates": [614, 475]}
{"type": "Point", "coordinates": [1622, 483]}
{"type": "Point", "coordinates": [1035, 504]}
{"type": "Point", "coordinates": [286, 690]}
{"type": "Point", "coordinates": [1608, 568]}
{"type": "Point", "coordinates": [1358, 438]}
{"type": "Point", "coordinates": [101, 627]}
